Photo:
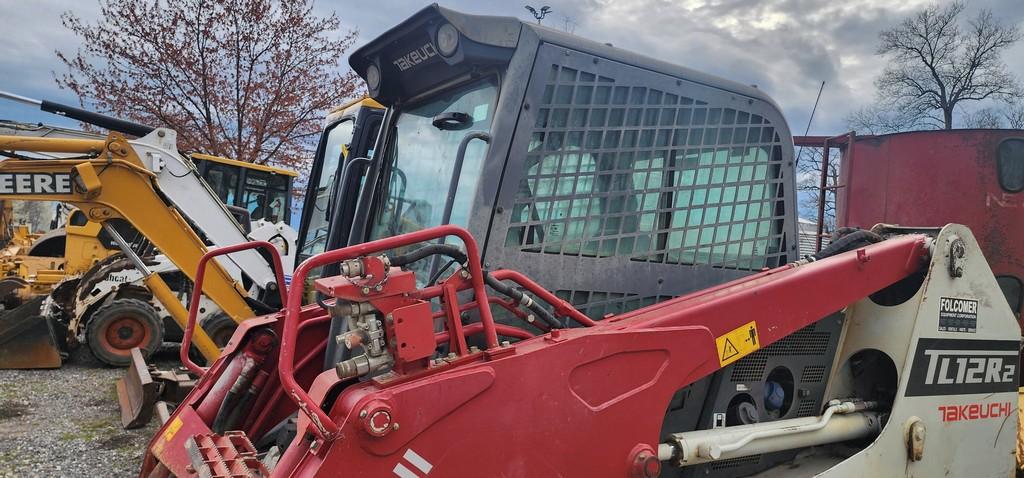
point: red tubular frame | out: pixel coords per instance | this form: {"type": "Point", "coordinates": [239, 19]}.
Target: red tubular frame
{"type": "Point", "coordinates": [323, 426]}
{"type": "Point", "coordinates": [193, 307]}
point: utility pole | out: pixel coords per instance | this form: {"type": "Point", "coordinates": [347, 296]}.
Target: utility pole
{"type": "Point", "coordinates": [539, 14]}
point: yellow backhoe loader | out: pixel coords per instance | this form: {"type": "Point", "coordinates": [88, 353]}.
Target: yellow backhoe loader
{"type": "Point", "coordinates": [115, 182]}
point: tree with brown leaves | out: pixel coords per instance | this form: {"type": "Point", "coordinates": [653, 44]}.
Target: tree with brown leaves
{"type": "Point", "coordinates": [245, 79]}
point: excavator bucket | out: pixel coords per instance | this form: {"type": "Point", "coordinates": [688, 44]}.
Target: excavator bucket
{"type": "Point", "coordinates": [144, 387]}
{"type": "Point", "coordinates": [28, 340]}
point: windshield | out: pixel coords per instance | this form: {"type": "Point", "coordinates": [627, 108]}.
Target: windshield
{"type": "Point", "coordinates": [423, 158]}
{"type": "Point", "coordinates": [338, 140]}
{"type": "Point", "coordinates": [265, 195]}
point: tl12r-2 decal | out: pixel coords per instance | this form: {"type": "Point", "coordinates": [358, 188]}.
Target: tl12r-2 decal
{"type": "Point", "coordinates": [962, 367]}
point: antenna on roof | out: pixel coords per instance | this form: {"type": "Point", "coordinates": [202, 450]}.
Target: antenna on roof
{"type": "Point", "coordinates": [539, 14]}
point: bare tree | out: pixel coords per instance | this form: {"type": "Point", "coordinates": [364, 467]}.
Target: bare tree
{"type": "Point", "coordinates": [1014, 115]}
{"type": "Point", "coordinates": [935, 65]}
{"type": "Point", "coordinates": [808, 170]}
{"type": "Point", "coordinates": [985, 118]}
{"type": "Point", "coordinates": [878, 119]}
{"type": "Point", "coordinates": [247, 79]}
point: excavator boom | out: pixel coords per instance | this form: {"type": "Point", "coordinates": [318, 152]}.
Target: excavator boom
{"type": "Point", "coordinates": [110, 182]}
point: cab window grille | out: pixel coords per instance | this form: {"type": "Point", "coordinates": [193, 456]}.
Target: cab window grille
{"type": "Point", "coordinates": [618, 170]}
{"type": "Point", "coordinates": [598, 304]}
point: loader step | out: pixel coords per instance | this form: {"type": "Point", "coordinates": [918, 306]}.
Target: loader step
{"type": "Point", "coordinates": [231, 455]}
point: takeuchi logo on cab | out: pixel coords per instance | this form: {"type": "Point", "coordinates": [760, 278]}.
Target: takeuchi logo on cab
{"type": "Point", "coordinates": [415, 57]}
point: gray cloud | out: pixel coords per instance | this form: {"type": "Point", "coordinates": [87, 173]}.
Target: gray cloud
{"type": "Point", "coordinates": [786, 47]}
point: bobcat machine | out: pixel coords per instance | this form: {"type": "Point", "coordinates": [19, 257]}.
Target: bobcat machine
{"type": "Point", "coordinates": [566, 259]}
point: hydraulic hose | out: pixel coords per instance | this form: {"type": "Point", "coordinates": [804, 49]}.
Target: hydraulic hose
{"type": "Point", "coordinates": [220, 421]}
{"type": "Point", "coordinates": [518, 296]}
{"type": "Point", "coordinates": [852, 239]}
{"type": "Point", "coordinates": [430, 250]}
{"type": "Point", "coordinates": [456, 253]}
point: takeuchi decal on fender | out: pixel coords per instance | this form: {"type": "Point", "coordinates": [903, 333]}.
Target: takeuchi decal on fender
{"type": "Point", "coordinates": [35, 183]}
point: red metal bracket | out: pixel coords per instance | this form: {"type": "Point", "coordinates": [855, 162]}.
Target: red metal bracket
{"type": "Point", "coordinates": [323, 426]}
{"type": "Point", "coordinates": [193, 308]}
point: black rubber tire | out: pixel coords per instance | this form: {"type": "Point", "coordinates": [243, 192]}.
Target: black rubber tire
{"type": "Point", "coordinates": [138, 325]}
{"type": "Point", "coordinates": [219, 327]}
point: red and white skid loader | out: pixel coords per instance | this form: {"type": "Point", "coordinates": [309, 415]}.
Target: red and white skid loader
{"type": "Point", "coordinates": [550, 314]}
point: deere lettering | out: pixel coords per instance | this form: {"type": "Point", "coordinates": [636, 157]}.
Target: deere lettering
{"type": "Point", "coordinates": [415, 57]}
{"type": "Point", "coordinates": [35, 183]}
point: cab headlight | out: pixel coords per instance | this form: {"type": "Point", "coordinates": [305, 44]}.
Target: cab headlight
{"type": "Point", "coordinates": [373, 76]}
{"type": "Point", "coordinates": [447, 39]}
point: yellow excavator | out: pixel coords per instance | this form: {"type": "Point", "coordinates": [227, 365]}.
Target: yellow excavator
{"type": "Point", "coordinates": [96, 294]}
{"type": "Point", "coordinates": [147, 184]}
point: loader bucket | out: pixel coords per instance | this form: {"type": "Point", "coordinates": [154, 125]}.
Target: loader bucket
{"type": "Point", "coordinates": [145, 389]}
{"type": "Point", "coordinates": [137, 393]}
{"type": "Point", "coordinates": [28, 340]}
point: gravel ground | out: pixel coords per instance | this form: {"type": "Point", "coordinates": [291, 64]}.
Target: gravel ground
{"type": "Point", "coordinates": [66, 422]}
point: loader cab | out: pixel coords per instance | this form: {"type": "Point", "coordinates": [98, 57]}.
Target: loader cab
{"type": "Point", "coordinates": [614, 180]}
{"type": "Point", "coordinates": [349, 132]}
{"type": "Point", "coordinates": [264, 191]}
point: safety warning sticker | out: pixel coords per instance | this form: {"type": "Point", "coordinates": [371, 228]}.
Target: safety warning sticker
{"type": "Point", "coordinates": [737, 343]}
{"type": "Point", "coordinates": [958, 315]}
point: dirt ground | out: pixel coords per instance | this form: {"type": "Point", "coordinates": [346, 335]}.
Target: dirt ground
{"type": "Point", "coordinates": [66, 423]}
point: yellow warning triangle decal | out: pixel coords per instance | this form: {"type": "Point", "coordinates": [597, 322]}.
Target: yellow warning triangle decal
{"type": "Point", "coordinates": [729, 350]}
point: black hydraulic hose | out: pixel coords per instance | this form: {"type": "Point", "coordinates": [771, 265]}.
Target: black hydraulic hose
{"type": "Point", "coordinates": [456, 253]}
{"type": "Point", "coordinates": [245, 375]}
{"type": "Point", "coordinates": [243, 404]}
{"type": "Point", "coordinates": [430, 250]}
{"type": "Point", "coordinates": [518, 296]}
{"type": "Point", "coordinates": [852, 240]}
{"type": "Point", "coordinates": [91, 117]}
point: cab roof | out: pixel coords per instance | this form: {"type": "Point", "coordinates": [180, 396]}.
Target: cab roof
{"type": "Point", "coordinates": [243, 164]}
{"type": "Point", "coordinates": [501, 31]}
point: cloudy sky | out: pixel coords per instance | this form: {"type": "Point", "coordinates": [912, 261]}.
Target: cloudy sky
{"type": "Point", "coordinates": [786, 47]}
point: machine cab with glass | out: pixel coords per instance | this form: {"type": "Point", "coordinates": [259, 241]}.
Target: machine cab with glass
{"type": "Point", "coordinates": [612, 179]}
{"type": "Point", "coordinates": [264, 191]}
{"type": "Point", "coordinates": [349, 133]}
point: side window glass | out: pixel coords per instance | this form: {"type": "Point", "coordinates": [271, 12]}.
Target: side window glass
{"type": "Point", "coordinates": [1011, 288]}
{"type": "Point", "coordinates": [1010, 163]}
{"type": "Point", "coordinates": [255, 199]}
{"type": "Point", "coordinates": [224, 181]}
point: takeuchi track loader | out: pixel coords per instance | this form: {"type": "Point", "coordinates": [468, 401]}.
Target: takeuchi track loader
{"type": "Point", "coordinates": [565, 259]}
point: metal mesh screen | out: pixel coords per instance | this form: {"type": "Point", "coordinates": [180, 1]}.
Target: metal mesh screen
{"type": "Point", "coordinates": [619, 170]}
{"type": "Point", "coordinates": [597, 305]}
